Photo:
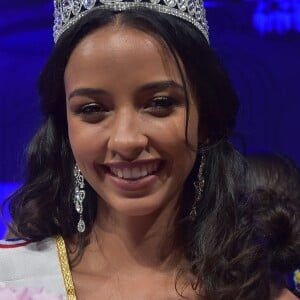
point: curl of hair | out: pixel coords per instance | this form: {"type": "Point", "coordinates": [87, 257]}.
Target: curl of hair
{"type": "Point", "coordinates": [273, 185]}
{"type": "Point", "coordinates": [225, 258]}
{"type": "Point", "coordinates": [276, 220]}
{"type": "Point", "coordinates": [273, 171]}
{"type": "Point", "coordinates": [43, 206]}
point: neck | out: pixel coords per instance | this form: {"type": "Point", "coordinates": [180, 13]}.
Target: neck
{"type": "Point", "coordinates": [141, 242]}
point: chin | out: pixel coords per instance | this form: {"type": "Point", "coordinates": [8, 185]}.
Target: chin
{"type": "Point", "coordinates": [137, 207]}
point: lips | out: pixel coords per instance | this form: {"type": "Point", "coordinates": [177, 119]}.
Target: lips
{"type": "Point", "coordinates": [133, 178]}
{"type": "Point", "coordinates": [134, 170]}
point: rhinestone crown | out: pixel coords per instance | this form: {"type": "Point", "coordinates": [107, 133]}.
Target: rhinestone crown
{"type": "Point", "coordinates": [68, 12]}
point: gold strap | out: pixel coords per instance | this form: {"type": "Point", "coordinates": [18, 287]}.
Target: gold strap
{"type": "Point", "coordinates": [65, 268]}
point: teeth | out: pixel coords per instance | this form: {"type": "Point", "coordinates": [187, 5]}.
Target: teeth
{"type": "Point", "coordinates": [136, 172]}
{"type": "Point", "coordinates": [126, 173]}
{"type": "Point", "coordinates": [119, 173]}
{"type": "Point", "coordinates": [144, 172]}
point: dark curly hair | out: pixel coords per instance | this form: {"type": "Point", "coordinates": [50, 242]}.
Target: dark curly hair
{"type": "Point", "coordinates": [223, 256]}
{"type": "Point", "coordinates": [273, 183]}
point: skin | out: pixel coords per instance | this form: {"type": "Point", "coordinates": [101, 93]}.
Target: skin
{"type": "Point", "coordinates": [126, 108]}
{"type": "Point", "coordinates": [287, 295]}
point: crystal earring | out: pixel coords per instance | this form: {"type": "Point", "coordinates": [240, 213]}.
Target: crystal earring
{"type": "Point", "coordinates": [199, 187]}
{"type": "Point", "coordinates": [79, 196]}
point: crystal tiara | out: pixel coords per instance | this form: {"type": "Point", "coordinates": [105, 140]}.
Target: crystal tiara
{"type": "Point", "coordinates": [68, 12]}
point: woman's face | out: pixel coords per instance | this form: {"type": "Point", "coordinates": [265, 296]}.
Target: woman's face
{"type": "Point", "coordinates": [126, 116]}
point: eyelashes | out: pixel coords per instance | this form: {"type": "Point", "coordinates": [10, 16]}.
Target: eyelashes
{"type": "Point", "coordinates": [160, 106]}
{"type": "Point", "coordinates": [163, 102]}
{"type": "Point", "coordinates": [92, 112]}
{"type": "Point", "coordinates": [92, 108]}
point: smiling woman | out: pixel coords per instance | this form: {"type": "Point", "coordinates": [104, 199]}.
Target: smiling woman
{"type": "Point", "coordinates": [127, 138]}
{"type": "Point", "coordinates": [133, 190]}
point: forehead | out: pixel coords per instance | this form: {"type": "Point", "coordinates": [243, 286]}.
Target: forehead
{"type": "Point", "coordinates": [121, 51]}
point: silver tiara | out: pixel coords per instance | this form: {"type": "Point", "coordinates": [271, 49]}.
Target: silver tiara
{"type": "Point", "coordinates": [68, 12]}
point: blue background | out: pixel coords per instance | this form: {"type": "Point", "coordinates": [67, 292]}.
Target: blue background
{"type": "Point", "coordinates": [265, 70]}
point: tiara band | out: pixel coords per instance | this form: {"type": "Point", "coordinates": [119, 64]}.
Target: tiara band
{"type": "Point", "coordinates": [68, 12]}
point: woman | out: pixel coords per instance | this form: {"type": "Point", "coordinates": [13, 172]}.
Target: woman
{"type": "Point", "coordinates": [138, 111]}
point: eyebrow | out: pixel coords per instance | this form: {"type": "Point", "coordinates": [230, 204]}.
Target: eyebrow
{"type": "Point", "coordinates": [158, 85]}
{"type": "Point", "coordinates": [87, 92]}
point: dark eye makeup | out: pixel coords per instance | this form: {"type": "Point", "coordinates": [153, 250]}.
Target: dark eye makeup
{"type": "Point", "coordinates": [158, 106]}
{"type": "Point", "coordinates": [162, 105]}
{"type": "Point", "coordinates": [91, 108]}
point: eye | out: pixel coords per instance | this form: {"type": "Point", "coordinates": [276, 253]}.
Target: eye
{"type": "Point", "coordinates": [161, 105]}
{"type": "Point", "coordinates": [92, 112]}
{"type": "Point", "coordinates": [91, 108]}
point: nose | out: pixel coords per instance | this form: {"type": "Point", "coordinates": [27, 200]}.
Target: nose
{"type": "Point", "coordinates": [127, 138]}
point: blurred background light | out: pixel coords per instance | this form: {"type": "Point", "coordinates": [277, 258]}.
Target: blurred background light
{"type": "Point", "coordinates": [277, 16]}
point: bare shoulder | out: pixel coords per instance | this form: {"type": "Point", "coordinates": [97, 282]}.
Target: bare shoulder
{"type": "Point", "coordinates": [287, 295]}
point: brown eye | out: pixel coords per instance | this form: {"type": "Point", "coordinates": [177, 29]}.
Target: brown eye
{"type": "Point", "coordinates": [92, 112]}
{"type": "Point", "coordinates": [161, 106]}
{"type": "Point", "coordinates": [162, 102]}
{"type": "Point", "coordinates": [92, 108]}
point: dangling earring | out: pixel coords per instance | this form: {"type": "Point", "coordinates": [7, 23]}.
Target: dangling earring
{"type": "Point", "coordinates": [79, 196]}
{"type": "Point", "coordinates": [199, 187]}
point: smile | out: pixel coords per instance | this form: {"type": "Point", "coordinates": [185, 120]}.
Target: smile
{"type": "Point", "coordinates": [134, 170]}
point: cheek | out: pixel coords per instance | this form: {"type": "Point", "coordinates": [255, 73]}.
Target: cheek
{"type": "Point", "coordinates": [170, 137]}
{"type": "Point", "coordinates": [190, 140]}
{"type": "Point", "coordinates": [85, 140]}
{"type": "Point", "coordinates": [193, 129]}
{"type": "Point", "coordinates": [187, 133]}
